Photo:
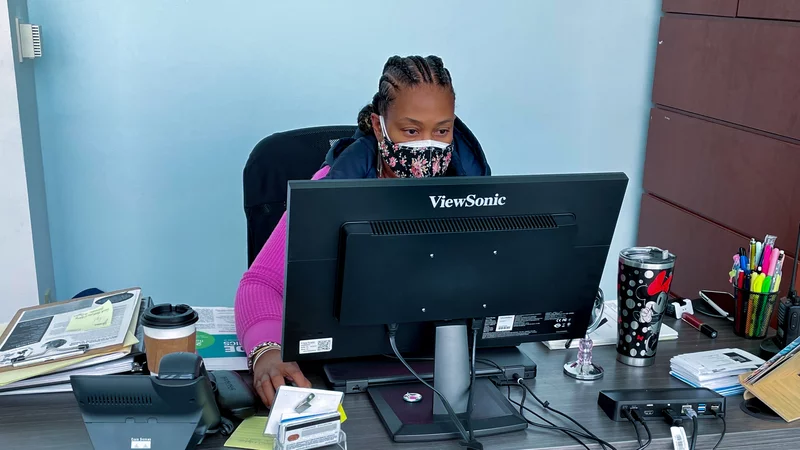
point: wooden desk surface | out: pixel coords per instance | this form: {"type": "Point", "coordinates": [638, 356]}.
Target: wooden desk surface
{"type": "Point", "coordinates": [54, 421]}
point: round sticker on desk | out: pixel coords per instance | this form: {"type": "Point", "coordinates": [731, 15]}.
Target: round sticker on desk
{"type": "Point", "coordinates": [412, 397]}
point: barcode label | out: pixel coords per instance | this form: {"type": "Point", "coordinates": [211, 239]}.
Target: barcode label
{"type": "Point", "coordinates": [316, 346]}
{"type": "Point", "coordinates": [679, 440]}
{"type": "Point", "coordinates": [505, 323]}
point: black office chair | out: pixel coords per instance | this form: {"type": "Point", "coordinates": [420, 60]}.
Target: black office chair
{"type": "Point", "coordinates": [290, 155]}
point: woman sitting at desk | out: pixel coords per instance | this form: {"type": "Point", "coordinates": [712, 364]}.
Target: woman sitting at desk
{"type": "Point", "coordinates": [409, 130]}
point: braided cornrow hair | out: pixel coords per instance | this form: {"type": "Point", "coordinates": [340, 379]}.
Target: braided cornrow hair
{"type": "Point", "coordinates": [399, 72]}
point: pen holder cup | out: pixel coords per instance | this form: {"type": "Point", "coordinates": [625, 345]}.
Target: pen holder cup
{"type": "Point", "coordinates": [753, 313]}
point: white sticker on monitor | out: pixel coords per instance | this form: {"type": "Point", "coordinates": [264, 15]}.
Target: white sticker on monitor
{"type": "Point", "coordinates": [316, 346]}
{"type": "Point", "coordinates": [505, 323]}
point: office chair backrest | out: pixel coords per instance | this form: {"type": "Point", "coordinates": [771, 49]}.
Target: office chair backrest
{"type": "Point", "coordinates": [290, 155]}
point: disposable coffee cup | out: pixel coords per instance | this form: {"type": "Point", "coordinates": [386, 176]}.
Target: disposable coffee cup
{"type": "Point", "coordinates": [645, 276]}
{"type": "Point", "coordinates": [168, 329]}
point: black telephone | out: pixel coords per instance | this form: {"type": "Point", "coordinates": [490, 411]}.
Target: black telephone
{"type": "Point", "coordinates": [174, 410]}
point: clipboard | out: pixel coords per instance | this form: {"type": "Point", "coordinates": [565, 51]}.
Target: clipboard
{"type": "Point", "coordinates": [71, 353]}
{"type": "Point", "coordinates": [779, 388]}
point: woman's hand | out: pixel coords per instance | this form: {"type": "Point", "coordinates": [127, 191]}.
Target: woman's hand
{"type": "Point", "coordinates": [270, 373]}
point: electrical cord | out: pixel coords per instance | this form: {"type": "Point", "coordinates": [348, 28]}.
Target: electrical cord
{"type": "Point", "coordinates": [546, 406]}
{"type": "Point", "coordinates": [523, 408]}
{"type": "Point", "coordinates": [641, 420]}
{"type": "Point", "coordinates": [472, 381]}
{"type": "Point", "coordinates": [626, 412]}
{"type": "Point", "coordinates": [469, 443]}
{"type": "Point", "coordinates": [570, 431]}
{"type": "Point", "coordinates": [692, 415]}
{"type": "Point", "coordinates": [724, 427]}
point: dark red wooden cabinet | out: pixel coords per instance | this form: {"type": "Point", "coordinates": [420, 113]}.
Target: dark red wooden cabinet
{"type": "Point", "coordinates": [723, 147]}
{"type": "Point", "coordinates": [703, 248]}
{"type": "Point", "coordinates": [709, 7]}
{"type": "Point", "coordinates": [731, 176]}
{"type": "Point", "coordinates": [770, 9]}
{"type": "Point", "coordinates": [742, 71]}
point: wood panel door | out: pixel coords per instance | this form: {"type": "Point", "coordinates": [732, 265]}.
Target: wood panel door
{"type": "Point", "coordinates": [704, 249]}
{"type": "Point", "coordinates": [740, 71]}
{"type": "Point", "coordinates": [707, 7]}
{"type": "Point", "coordinates": [770, 9]}
{"type": "Point", "coordinates": [744, 181]}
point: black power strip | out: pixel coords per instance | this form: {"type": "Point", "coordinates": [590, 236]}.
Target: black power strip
{"type": "Point", "coordinates": [651, 402]}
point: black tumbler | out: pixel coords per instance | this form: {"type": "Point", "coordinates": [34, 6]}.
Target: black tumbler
{"type": "Point", "coordinates": [645, 274]}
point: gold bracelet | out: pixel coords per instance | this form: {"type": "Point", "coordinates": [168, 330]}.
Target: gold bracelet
{"type": "Point", "coordinates": [259, 350]}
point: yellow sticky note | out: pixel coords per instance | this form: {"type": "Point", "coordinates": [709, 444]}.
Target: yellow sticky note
{"type": "Point", "coordinates": [341, 413]}
{"type": "Point", "coordinates": [93, 319]}
{"type": "Point", "coordinates": [250, 435]}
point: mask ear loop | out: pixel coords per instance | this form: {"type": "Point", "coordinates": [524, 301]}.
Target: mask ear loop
{"type": "Point", "coordinates": [383, 130]}
{"type": "Point", "coordinates": [385, 138]}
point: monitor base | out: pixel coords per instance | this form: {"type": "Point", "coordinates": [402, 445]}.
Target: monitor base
{"type": "Point", "coordinates": [415, 422]}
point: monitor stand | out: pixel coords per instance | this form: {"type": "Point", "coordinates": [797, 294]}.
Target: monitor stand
{"type": "Point", "coordinates": [427, 419]}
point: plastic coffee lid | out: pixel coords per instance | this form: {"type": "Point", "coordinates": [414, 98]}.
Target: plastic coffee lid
{"type": "Point", "coordinates": [169, 316]}
{"type": "Point", "coordinates": [647, 257]}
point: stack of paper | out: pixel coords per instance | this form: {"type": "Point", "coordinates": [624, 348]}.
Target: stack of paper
{"type": "Point", "coordinates": [607, 334]}
{"type": "Point", "coordinates": [717, 370]}
{"type": "Point", "coordinates": [44, 345]}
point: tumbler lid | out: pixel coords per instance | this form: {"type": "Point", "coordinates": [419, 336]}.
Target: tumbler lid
{"type": "Point", "coordinates": [647, 258]}
{"type": "Point", "coordinates": [169, 316]}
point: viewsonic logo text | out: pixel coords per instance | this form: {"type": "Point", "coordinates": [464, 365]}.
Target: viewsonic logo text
{"type": "Point", "coordinates": [470, 201]}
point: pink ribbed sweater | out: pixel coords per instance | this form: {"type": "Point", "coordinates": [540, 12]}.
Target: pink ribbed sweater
{"type": "Point", "coordinates": [259, 300]}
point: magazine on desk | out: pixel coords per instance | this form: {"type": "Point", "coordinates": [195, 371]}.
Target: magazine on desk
{"type": "Point", "coordinates": [88, 326]}
{"type": "Point", "coordinates": [782, 356]}
{"type": "Point", "coordinates": [607, 333]}
{"type": "Point", "coordinates": [217, 342]}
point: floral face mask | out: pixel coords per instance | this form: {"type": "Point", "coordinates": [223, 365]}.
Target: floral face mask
{"type": "Point", "coordinates": [415, 159]}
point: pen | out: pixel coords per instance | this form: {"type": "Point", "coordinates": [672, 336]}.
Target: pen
{"type": "Point", "coordinates": [735, 269]}
{"type": "Point", "coordinates": [773, 265]}
{"type": "Point", "coordinates": [766, 257]}
{"type": "Point", "coordinates": [752, 255]}
{"type": "Point", "coordinates": [759, 251]}
{"type": "Point", "coordinates": [773, 261]}
{"type": "Point", "coordinates": [692, 320]}
{"type": "Point", "coordinates": [769, 281]}
{"type": "Point", "coordinates": [757, 303]}
{"type": "Point", "coordinates": [776, 280]}
{"type": "Point", "coordinates": [749, 314]}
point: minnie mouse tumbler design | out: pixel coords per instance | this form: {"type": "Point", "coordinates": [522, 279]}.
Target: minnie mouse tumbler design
{"type": "Point", "coordinates": [645, 274]}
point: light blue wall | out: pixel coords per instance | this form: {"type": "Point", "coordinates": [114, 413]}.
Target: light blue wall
{"type": "Point", "coordinates": [149, 108]}
{"type": "Point", "coordinates": [32, 151]}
